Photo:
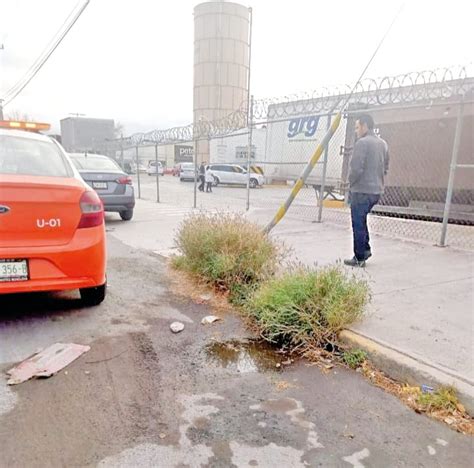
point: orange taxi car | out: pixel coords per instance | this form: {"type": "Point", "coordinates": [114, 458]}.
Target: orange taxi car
{"type": "Point", "coordinates": [52, 234]}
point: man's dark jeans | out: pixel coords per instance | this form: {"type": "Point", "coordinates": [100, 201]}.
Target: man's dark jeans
{"type": "Point", "coordinates": [361, 205]}
{"type": "Point", "coordinates": [202, 181]}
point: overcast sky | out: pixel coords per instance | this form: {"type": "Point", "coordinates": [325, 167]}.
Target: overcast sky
{"type": "Point", "coordinates": [133, 60]}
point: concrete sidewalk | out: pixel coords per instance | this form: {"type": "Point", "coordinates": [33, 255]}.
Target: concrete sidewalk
{"type": "Point", "coordinates": [421, 314]}
{"type": "Point", "coordinates": [420, 323]}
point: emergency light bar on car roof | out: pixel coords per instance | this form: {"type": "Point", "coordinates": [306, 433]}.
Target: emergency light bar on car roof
{"type": "Point", "coordinates": [29, 126]}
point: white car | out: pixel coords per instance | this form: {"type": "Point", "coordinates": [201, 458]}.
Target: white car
{"type": "Point", "coordinates": [152, 168]}
{"type": "Point", "coordinates": [233, 174]}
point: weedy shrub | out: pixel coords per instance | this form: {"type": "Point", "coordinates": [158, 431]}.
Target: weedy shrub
{"type": "Point", "coordinates": [228, 252]}
{"type": "Point", "coordinates": [354, 358]}
{"type": "Point", "coordinates": [444, 398]}
{"type": "Point", "coordinates": [307, 308]}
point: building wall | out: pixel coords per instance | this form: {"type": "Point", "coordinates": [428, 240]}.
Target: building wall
{"type": "Point", "coordinates": [233, 149]}
{"type": "Point", "coordinates": [421, 143]}
{"type": "Point", "coordinates": [84, 134]}
{"type": "Point", "coordinates": [168, 155]}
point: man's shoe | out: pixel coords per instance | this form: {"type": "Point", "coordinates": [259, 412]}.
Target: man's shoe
{"type": "Point", "coordinates": [353, 262]}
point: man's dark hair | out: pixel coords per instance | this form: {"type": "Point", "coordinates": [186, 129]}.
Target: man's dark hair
{"type": "Point", "coordinates": [366, 119]}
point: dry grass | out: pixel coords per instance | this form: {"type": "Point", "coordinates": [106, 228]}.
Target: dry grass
{"type": "Point", "coordinates": [441, 405]}
{"type": "Point", "coordinates": [183, 284]}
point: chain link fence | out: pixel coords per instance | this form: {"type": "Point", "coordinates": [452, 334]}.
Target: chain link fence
{"type": "Point", "coordinates": [426, 119]}
{"type": "Point", "coordinates": [421, 143]}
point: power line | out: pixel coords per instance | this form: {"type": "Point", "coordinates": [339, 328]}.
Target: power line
{"type": "Point", "coordinates": [21, 85]}
{"type": "Point", "coordinates": [373, 55]}
{"type": "Point", "coordinates": [48, 46]}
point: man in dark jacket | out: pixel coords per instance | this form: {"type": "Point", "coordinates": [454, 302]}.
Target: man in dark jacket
{"type": "Point", "coordinates": [368, 167]}
{"type": "Point", "coordinates": [202, 176]}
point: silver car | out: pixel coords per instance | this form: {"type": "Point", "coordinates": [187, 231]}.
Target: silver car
{"type": "Point", "coordinates": [187, 171]}
{"type": "Point", "coordinates": [111, 183]}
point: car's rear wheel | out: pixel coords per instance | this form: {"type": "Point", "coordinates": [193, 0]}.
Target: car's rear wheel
{"type": "Point", "coordinates": [216, 181]}
{"type": "Point", "coordinates": [126, 215]}
{"type": "Point", "coordinates": [253, 183]}
{"type": "Point", "coordinates": [93, 296]}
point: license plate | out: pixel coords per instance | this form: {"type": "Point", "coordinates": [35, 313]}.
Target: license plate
{"type": "Point", "coordinates": [13, 270]}
{"type": "Point", "coordinates": [99, 185]}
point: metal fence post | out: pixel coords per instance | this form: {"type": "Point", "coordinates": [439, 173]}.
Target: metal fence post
{"type": "Point", "coordinates": [323, 180]}
{"type": "Point", "coordinates": [452, 172]}
{"type": "Point", "coordinates": [195, 171]}
{"type": "Point", "coordinates": [138, 172]}
{"type": "Point", "coordinates": [121, 151]}
{"type": "Point", "coordinates": [157, 175]}
{"type": "Point", "coordinates": [249, 149]}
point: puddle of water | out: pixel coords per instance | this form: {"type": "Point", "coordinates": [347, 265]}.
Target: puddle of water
{"type": "Point", "coordinates": [244, 356]}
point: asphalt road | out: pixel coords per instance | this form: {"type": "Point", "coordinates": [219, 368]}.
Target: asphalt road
{"type": "Point", "coordinates": [223, 197]}
{"type": "Point", "coordinates": [143, 396]}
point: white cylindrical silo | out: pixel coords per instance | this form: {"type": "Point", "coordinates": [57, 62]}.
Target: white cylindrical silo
{"type": "Point", "coordinates": [221, 61]}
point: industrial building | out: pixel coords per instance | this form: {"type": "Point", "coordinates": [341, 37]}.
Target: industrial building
{"type": "Point", "coordinates": [80, 134]}
{"type": "Point", "coordinates": [233, 149]}
{"type": "Point", "coordinates": [221, 62]}
{"type": "Point", "coordinates": [168, 155]}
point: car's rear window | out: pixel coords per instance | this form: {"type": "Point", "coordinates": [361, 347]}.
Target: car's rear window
{"type": "Point", "coordinates": [24, 156]}
{"type": "Point", "coordinates": [188, 167]}
{"type": "Point", "coordinates": [96, 164]}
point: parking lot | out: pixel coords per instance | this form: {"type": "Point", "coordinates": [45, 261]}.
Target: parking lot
{"type": "Point", "coordinates": [223, 197]}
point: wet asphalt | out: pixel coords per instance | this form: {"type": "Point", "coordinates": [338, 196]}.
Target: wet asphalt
{"type": "Point", "coordinates": [206, 397]}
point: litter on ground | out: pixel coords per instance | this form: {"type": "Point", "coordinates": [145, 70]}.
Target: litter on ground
{"type": "Point", "coordinates": [47, 362]}
{"type": "Point", "coordinates": [177, 327]}
{"type": "Point", "coordinates": [209, 319]}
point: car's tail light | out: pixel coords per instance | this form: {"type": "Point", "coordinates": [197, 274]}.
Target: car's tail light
{"type": "Point", "coordinates": [92, 210]}
{"type": "Point", "coordinates": [125, 180]}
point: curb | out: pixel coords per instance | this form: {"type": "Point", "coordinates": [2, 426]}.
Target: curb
{"type": "Point", "coordinates": [405, 368]}
{"type": "Point", "coordinates": [166, 254]}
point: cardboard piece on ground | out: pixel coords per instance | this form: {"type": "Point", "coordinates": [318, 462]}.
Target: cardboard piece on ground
{"type": "Point", "coordinates": [47, 362]}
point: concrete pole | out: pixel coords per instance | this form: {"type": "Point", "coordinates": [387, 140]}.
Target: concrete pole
{"type": "Point", "coordinates": [250, 62]}
{"type": "Point", "coordinates": [249, 149]}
